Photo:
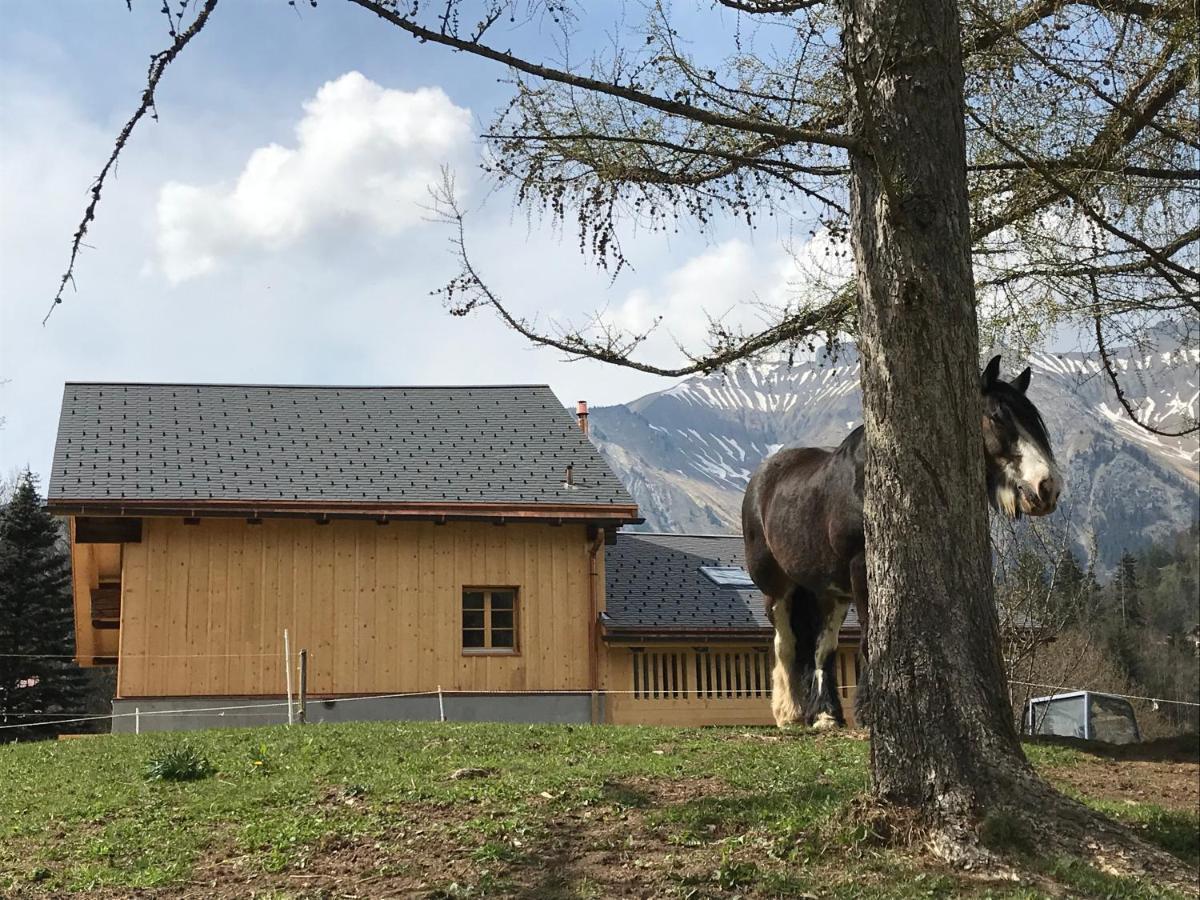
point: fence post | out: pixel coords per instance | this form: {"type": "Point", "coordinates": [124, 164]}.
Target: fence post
{"type": "Point", "coordinates": [303, 686]}
{"type": "Point", "coordinates": [287, 673]}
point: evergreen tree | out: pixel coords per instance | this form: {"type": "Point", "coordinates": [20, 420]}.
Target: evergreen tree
{"type": "Point", "coordinates": [1126, 591]}
{"type": "Point", "coordinates": [39, 680]}
{"type": "Point", "coordinates": [1074, 590]}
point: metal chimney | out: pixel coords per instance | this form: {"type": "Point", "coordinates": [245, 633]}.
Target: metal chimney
{"type": "Point", "coordinates": [581, 413]}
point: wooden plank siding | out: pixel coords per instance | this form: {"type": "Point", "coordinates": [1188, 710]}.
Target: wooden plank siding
{"type": "Point", "coordinates": [734, 687]}
{"type": "Point", "coordinates": [204, 606]}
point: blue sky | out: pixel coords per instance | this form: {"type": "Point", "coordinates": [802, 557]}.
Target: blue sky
{"type": "Point", "coordinates": [269, 227]}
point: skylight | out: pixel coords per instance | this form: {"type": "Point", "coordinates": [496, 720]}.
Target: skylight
{"type": "Point", "coordinates": [728, 576]}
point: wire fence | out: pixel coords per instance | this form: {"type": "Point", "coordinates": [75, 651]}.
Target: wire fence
{"type": "Point", "coordinates": [736, 689]}
{"type": "Point", "coordinates": [71, 718]}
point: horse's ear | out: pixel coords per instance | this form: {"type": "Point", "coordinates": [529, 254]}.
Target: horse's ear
{"type": "Point", "coordinates": [1022, 381]}
{"type": "Point", "coordinates": [990, 374]}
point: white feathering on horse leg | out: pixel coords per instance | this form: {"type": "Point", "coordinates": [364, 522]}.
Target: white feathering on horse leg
{"type": "Point", "coordinates": [827, 644]}
{"type": "Point", "coordinates": [783, 704]}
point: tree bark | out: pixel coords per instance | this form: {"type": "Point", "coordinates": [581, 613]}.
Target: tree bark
{"type": "Point", "coordinates": [943, 742]}
{"type": "Point", "coordinates": [941, 719]}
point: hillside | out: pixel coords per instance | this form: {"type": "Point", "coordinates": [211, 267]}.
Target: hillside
{"type": "Point", "coordinates": [450, 810]}
{"type": "Point", "coordinates": [686, 453]}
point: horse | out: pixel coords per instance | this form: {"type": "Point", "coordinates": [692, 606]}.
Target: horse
{"type": "Point", "coordinates": [802, 522]}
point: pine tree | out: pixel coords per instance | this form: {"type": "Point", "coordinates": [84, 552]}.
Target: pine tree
{"type": "Point", "coordinates": [39, 680]}
{"type": "Point", "coordinates": [1127, 593]}
{"type": "Point", "coordinates": [1074, 590]}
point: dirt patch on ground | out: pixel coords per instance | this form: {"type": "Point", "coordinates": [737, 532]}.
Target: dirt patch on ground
{"type": "Point", "coordinates": [1165, 773]}
{"type": "Point", "coordinates": [1171, 785]}
{"type": "Point", "coordinates": [611, 848]}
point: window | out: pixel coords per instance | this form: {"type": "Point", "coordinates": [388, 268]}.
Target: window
{"type": "Point", "coordinates": [728, 576]}
{"type": "Point", "coordinates": [1112, 721]}
{"type": "Point", "coordinates": [489, 620]}
{"type": "Point", "coordinates": [1059, 715]}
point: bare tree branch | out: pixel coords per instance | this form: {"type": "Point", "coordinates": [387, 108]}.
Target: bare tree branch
{"type": "Point", "coordinates": [158, 65]}
{"type": "Point", "coordinates": [1163, 263]}
{"type": "Point", "coordinates": [671, 107]}
{"type": "Point", "coordinates": [1116, 383]}
{"type": "Point", "coordinates": [469, 291]}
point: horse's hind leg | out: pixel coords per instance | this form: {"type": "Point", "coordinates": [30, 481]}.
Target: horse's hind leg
{"type": "Point", "coordinates": [794, 646]}
{"type": "Point", "coordinates": [824, 708]}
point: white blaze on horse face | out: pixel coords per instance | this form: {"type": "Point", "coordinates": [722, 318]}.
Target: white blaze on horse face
{"type": "Point", "coordinates": [1036, 467]}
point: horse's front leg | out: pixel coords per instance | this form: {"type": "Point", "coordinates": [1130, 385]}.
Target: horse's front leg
{"type": "Point", "coordinates": [862, 695]}
{"type": "Point", "coordinates": [824, 705]}
{"type": "Point", "coordinates": [790, 676]}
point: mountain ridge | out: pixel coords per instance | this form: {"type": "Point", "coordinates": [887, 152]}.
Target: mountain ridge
{"type": "Point", "coordinates": [685, 453]}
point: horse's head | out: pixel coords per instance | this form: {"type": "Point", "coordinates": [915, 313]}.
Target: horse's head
{"type": "Point", "coordinates": [1022, 474]}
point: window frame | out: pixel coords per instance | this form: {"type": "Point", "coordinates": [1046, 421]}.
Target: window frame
{"type": "Point", "coordinates": [488, 628]}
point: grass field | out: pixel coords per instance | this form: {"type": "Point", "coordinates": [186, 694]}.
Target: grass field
{"type": "Point", "coordinates": [385, 809]}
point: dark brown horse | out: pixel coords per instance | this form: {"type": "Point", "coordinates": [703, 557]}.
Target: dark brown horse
{"type": "Point", "coordinates": [802, 520]}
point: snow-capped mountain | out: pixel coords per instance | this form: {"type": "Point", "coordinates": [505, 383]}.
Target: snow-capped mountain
{"type": "Point", "coordinates": [686, 453]}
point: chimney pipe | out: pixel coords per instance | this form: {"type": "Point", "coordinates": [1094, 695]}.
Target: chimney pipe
{"type": "Point", "coordinates": [581, 414]}
{"type": "Point", "coordinates": [569, 481]}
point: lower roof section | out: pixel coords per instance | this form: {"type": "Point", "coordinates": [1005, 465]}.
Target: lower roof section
{"type": "Point", "coordinates": [656, 589]}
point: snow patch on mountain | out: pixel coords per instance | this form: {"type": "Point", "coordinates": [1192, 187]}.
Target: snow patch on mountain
{"type": "Point", "coordinates": [687, 453]}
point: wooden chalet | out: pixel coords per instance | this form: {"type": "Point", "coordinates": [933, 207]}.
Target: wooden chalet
{"type": "Point", "coordinates": [407, 538]}
{"type": "Point", "coordinates": [410, 539]}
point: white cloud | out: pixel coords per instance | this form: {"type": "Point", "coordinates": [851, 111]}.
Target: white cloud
{"type": "Point", "coordinates": [740, 285]}
{"type": "Point", "coordinates": [719, 281]}
{"type": "Point", "coordinates": [364, 159]}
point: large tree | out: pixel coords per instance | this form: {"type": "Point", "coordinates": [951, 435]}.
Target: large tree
{"type": "Point", "coordinates": [1039, 154]}
{"type": "Point", "coordinates": [39, 681]}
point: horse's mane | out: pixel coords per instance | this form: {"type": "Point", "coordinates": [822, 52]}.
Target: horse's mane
{"type": "Point", "coordinates": [1025, 413]}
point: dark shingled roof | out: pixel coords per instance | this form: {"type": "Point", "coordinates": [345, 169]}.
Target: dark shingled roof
{"type": "Point", "coordinates": [434, 445]}
{"type": "Point", "coordinates": [653, 583]}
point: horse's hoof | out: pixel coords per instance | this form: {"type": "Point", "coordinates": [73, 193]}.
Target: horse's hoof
{"type": "Point", "coordinates": [824, 722]}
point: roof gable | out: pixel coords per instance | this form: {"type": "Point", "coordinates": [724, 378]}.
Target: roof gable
{"type": "Point", "coordinates": [325, 446]}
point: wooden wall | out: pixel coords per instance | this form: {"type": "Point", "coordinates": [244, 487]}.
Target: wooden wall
{"type": "Point", "coordinates": [204, 606]}
{"type": "Point", "coordinates": [692, 685]}
{"type": "Point", "coordinates": [90, 563]}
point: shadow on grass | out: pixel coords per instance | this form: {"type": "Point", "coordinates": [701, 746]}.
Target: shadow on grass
{"type": "Point", "coordinates": [1087, 881]}
{"type": "Point", "coordinates": [1184, 748]}
{"type": "Point", "coordinates": [807, 805]}
{"type": "Point", "coordinates": [1174, 831]}
{"type": "Point", "coordinates": [625, 795]}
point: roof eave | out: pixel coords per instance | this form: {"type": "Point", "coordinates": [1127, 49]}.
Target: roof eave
{"type": "Point", "coordinates": [639, 633]}
{"type": "Point", "coordinates": [554, 513]}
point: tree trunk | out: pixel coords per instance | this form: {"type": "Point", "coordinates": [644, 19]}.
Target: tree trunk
{"type": "Point", "coordinates": [943, 740]}
{"type": "Point", "coordinates": [941, 720]}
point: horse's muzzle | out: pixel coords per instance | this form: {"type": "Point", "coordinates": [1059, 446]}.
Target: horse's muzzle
{"type": "Point", "coordinates": [1043, 501]}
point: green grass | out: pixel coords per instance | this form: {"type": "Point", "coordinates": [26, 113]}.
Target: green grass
{"type": "Point", "coordinates": [690, 813]}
